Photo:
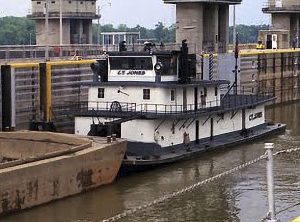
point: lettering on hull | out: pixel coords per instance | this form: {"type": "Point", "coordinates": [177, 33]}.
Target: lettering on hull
{"type": "Point", "coordinates": [255, 116]}
{"type": "Point", "coordinates": [132, 72]}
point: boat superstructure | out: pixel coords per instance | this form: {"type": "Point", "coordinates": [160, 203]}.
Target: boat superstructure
{"type": "Point", "coordinates": [166, 111]}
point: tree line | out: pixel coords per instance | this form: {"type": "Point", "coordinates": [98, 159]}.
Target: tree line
{"type": "Point", "coordinates": [21, 31]}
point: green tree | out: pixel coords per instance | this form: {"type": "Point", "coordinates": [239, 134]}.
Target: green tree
{"type": "Point", "coordinates": [16, 31]}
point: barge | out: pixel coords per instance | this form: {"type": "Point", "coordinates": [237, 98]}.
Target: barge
{"type": "Point", "coordinates": [39, 167]}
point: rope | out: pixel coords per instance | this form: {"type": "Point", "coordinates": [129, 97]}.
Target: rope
{"type": "Point", "coordinates": [281, 211]}
{"type": "Point", "coordinates": [167, 197]}
{"type": "Point", "coordinates": [182, 191]}
{"type": "Point", "coordinates": [287, 208]}
{"type": "Point", "coordinates": [286, 151]}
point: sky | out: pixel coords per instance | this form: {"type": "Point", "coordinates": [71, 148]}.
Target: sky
{"type": "Point", "coordinates": [143, 12]}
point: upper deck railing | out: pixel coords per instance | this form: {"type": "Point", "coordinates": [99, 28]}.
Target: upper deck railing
{"type": "Point", "coordinates": [119, 110]}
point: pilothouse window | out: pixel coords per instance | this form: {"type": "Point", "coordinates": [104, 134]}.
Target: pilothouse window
{"type": "Point", "coordinates": [169, 64]}
{"type": "Point", "coordinates": [131, 63]}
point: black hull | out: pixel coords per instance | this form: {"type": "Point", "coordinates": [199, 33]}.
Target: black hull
{"type": "Point", "coordinates": [136, 163]}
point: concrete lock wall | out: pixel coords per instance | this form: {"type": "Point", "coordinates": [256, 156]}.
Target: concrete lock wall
{"type": "Point", "coordinates": [67, 88]}
{"type": "Point", "coordinates": [274, 74]}
{"type": "Point", "coordinates": [28, 95]}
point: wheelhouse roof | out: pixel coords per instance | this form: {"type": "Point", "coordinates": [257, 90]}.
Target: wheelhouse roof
{"type": "Point", "coordinates": [162, 84]}
{"type": "Point", "coordinates": [131, 53]}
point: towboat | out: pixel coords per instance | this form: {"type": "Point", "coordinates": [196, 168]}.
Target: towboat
{"type": "Point", "coordinates": [167, 112]}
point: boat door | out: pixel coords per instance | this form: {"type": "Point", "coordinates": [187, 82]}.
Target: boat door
{"type": "Point", "coordinates": [196, 97]}
{"type": "Point", "coordinates": [184, 99]}
{"type": "Point", "coordinates": [103, 70]}
{"type": "Point", "coordinates": [269, 42]}
{"type": "Point", "coordinates": [203, 98]}
{"type": "Point", "coordinates": [274, 41]}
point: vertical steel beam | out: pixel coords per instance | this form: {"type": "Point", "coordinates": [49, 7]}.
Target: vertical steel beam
{"type": "Point", "coordinates": [6, 83]}
{"type": "Point", "coordinates": [13, 98]}
{"type": "Point", "coordinates": [46, 91]}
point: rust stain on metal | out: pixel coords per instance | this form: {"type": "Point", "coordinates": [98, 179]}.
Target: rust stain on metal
{"type": "Point", "coordinates": [19, 201]}
{"type": "Point", "coordinates": [55, 187]}
{"type": "Point", "coordinates": [5, 202]}
{"type": "Point", "coordinates": [32, 188]}
{"type": "Point", "coordinates": [84, 177]}
{"type": "Point", "coordinates": [15, 205]}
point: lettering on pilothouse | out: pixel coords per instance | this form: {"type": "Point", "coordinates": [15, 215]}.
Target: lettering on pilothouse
{"type": "Point", "coordinates": [132, 72]}
{"type": "Point", "coordinates": [255, 116]}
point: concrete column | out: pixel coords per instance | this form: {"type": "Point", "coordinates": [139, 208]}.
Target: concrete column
{"type": "Point", "coordinates": [90, 33]}
{"type": "Point", "coordinates": [298, 29]}
{"type": "Point", "coordinates": [66, 31]}
{"type": "Point", "coordinates": [223, 27]}
{"type": "Point", "coordinates": [40, 33]}
{"type": "Point", "coordinates": [80, 30]}
{"type": "Point", "coordinates": [190, 27]}
{"type": "Point", "coordinates": [210, 27]}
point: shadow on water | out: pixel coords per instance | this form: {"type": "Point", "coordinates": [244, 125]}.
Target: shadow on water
{"type": "Point", "coordinates": [241, 196]}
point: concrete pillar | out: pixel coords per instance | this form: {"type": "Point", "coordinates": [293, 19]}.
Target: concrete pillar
{"type": "Point", "coordinates": [223, 28]}
{"type": "Point", "coordinates": [79, 30]}
{"type": "Point", "coordinates": [66, 31]}
{"type": "Point", "coordinates": [297, 29]}
{"type": "Point", "coordinates": [210, 27]}
{"type": "Point", "coordinates": [90, 33]}
{"type": "Point", "coordinates": [190, 27]}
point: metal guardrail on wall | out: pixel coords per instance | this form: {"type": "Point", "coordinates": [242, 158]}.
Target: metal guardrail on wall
{"type": "Point", "coordinates": [70, 52]}
{"type": "Point", "coordinates": [273, 6]}
{"type": "Point", "coordinates": [29, 52]}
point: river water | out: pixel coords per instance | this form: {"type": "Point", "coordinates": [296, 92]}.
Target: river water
{"type": "Point", "coordinates": [241, 196]}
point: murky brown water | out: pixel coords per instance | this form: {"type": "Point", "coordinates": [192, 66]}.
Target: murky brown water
{"type": "Point", "coordinates": [239, 197]}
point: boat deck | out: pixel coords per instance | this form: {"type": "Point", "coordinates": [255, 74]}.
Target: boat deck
{"type": "Point", "coordinates": [173, 154]}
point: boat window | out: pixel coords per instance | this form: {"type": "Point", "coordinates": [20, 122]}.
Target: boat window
{"type": "Point", "coordinates": [131, 63]}
{"type": "Point", "coordinates": [172, 95]}
{"type": "Point", "coordinates": [169, 64]}
{"type": "Point", "coordinates": [146, 94]}
{"type": "Point", "coordinates": [100, 92]}
{"type": "Point", "coordinates": [216, 91]}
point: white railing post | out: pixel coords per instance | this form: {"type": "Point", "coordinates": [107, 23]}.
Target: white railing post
{"type": "Point", "coordinates": [270, 179]}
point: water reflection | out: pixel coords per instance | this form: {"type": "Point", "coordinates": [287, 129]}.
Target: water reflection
{"type": "Point", "coordinates": [239, 197]}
